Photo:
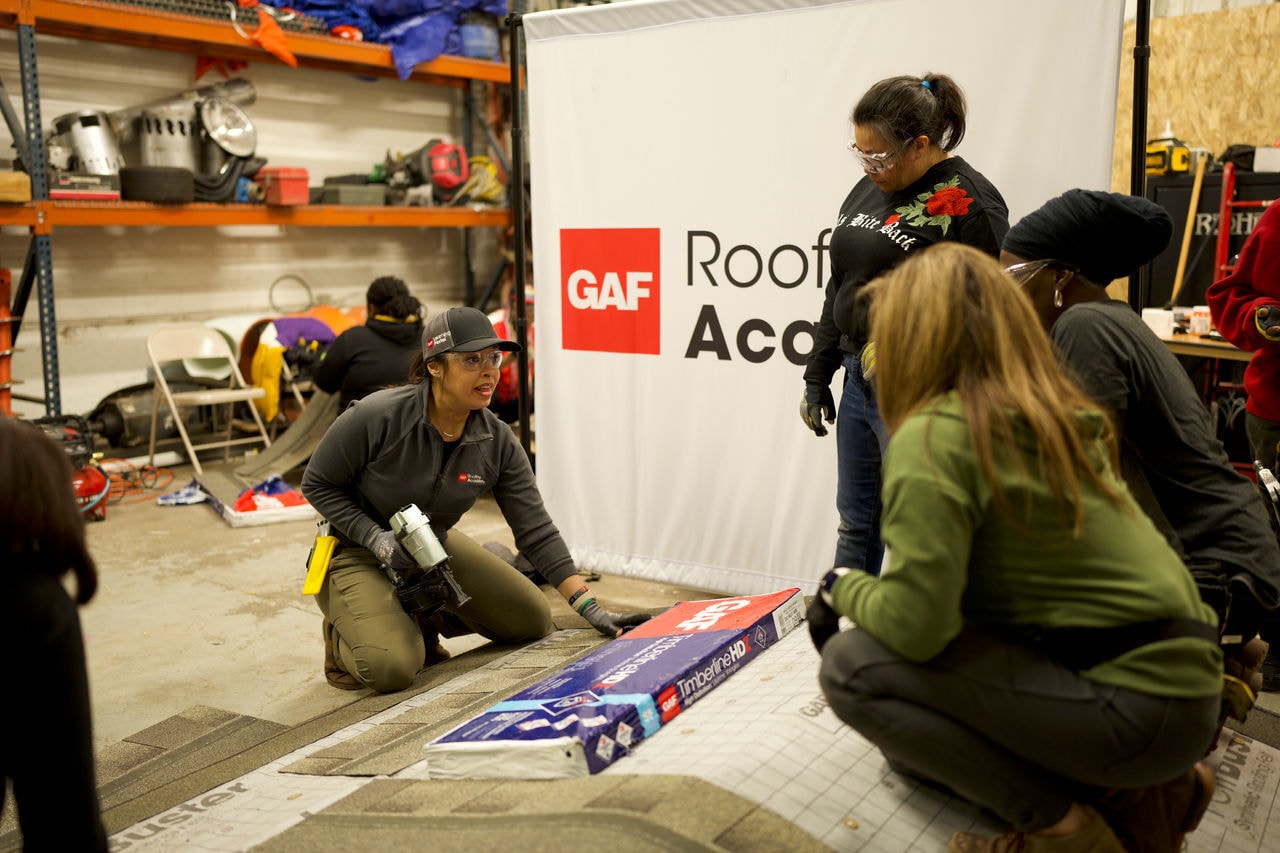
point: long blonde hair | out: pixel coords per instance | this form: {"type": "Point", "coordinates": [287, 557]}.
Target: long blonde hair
{"type": "Point", "coordinates": [948, 318]}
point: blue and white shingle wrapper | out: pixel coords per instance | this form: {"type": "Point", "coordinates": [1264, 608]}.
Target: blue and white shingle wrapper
{"type": "Point", "coordinates": [416, 30]}
{"type": "Point", "coordinates": [600, 707]}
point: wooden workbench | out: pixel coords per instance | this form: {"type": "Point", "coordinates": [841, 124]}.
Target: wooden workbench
{"type": "Point", "coordinates": [1194, 345]}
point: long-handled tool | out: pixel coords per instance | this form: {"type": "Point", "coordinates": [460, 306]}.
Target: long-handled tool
{"type": "Point", "coordinates": [1202, 158]}
{"type": "Point", "coordinates": [15, 128]}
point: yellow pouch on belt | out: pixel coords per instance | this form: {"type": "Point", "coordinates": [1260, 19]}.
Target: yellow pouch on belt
{"type": "Point", "coordinates": [318, 559]}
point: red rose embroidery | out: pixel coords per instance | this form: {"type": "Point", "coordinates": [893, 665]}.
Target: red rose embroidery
{"type": "Point", "coordinates": [951, 201]}
{"type": "Point", "coordinates": [892, 220]}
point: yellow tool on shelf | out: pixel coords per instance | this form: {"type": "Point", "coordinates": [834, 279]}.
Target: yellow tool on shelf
{"type": "Point", "coordinates": [1168, 155]}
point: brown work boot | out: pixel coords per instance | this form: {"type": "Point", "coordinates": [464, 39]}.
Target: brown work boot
{"type": "Point", "coordinates": [1157, 818]}
{"type": "Point", "coordinates": [430, 628]}
{"type": "Point", "coordinates": [333, 671]}
{"type": "Point", "coordinates": [1094, 837]}
{"type": "Point", "coordinates": [1253, 653]}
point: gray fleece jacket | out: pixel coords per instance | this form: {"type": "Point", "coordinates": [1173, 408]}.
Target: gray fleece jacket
{"type": "Point", "coordinates": [383, 453]}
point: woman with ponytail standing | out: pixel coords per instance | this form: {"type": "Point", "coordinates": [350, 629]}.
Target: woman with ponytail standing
{"type": "Point", "coordinates": [914, 192]}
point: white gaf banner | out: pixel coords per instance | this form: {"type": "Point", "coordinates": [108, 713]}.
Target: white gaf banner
{"type": "Point", "coordinates": [688, 161]}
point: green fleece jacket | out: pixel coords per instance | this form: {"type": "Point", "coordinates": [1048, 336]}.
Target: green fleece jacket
{"type": "Point", "coordinates": [955, 558]}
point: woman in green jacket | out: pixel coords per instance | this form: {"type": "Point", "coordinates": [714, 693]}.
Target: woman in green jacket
{"type": "Point", "coordinates": [1033, 644]}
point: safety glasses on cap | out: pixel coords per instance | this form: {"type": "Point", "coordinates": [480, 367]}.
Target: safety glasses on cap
{"type": "Point", "coordinates": [476, 360]}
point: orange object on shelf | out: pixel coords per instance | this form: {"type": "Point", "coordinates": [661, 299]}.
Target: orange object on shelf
{"type": "Point", "coordinates": [88, 19]}
{"type": "Point", "coordinates": [285, 186]}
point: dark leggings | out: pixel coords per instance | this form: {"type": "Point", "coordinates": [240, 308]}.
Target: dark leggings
{"type": "Point", "coordinates": [1009, 730]}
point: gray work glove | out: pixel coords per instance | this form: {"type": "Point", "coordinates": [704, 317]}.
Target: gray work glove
{"type": "Point", "coordinates": [610, 624]}
{"type": "Point", "coordinates": [390, 552]}
{"type": "Point", "coordinates": [816, 406]}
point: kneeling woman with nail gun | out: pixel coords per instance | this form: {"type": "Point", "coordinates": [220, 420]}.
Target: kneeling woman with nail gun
{"type": "Point", "coordinates": [390, 478]}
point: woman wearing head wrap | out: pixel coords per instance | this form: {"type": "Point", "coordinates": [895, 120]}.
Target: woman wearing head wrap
{"type": "Point", "coordinates": [1033, 642]}
{"type": "Point", "coordinates": [914, 193]}
{"type": "Point", "coordinates": [434, 443]}
{"type": "Point", "coordinates": [364, 359]}
{"type": "Point", "coordinates": [1064, 255]}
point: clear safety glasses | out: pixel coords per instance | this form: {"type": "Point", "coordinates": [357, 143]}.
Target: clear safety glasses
{"type": "Point", "coordinates": [477, 360]}
{"type": "Point", "coordinates": [874, 164]}
{"type": "Point", "coordinates": [1024, 272]}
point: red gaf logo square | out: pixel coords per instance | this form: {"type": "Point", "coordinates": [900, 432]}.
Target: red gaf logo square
{"type": "Point", "coordinates": [668, 703]}
{"type": "Point", "coordinates": [610, 293]}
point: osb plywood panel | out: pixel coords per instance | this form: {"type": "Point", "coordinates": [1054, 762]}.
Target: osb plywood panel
{"type": "Point", "coordinates": [1213, 75]}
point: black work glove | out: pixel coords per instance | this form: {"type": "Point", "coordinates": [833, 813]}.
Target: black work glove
{"type": "Point", "coordinates": [816, 406]}
{"type": "Point", "coordinates": [390, 552]}
{"type": "Point", "coordinates": [1267, 319]}
{"type": "Point", "coordinates": [610, 624]}
{"type": "Point", "coordinates": [824, 623]}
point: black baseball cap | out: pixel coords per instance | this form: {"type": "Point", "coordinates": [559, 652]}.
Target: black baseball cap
{"type": "Point", "coordinates": [461, 330]}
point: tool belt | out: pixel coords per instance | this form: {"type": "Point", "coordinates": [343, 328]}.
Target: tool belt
{"type": "Point", "coordinates": [1079, 648]}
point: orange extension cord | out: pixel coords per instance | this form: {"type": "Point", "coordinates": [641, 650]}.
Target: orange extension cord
{"type": "Point", "coordinates": [133, 484]}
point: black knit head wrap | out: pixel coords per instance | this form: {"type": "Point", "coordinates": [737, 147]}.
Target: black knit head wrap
{"type": "Point", "coordinates": [1106, 235]}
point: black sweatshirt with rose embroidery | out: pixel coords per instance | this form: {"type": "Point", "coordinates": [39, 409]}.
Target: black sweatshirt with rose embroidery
{"type": "Point", "coordinates": [877, 230]}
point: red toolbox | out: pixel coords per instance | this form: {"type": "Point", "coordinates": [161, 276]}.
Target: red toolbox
{"type": "Point", "coordinates": [285, 186]}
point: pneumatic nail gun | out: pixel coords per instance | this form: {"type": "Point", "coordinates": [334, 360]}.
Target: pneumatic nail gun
{"type": "Point", "coordinates": [434, 586]}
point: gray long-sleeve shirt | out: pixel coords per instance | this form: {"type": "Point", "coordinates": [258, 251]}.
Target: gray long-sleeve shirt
{"type": "Point", "coordinates": [383, 453]}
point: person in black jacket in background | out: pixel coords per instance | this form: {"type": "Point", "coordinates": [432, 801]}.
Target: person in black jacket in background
{"type": "Point", "coordinates": [377, 355]}
{"type": "Point", "coordinates": [47, 750]}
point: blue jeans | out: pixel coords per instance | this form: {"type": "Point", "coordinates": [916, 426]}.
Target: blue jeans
{"type": "Point", "coordinates": [860, 442]}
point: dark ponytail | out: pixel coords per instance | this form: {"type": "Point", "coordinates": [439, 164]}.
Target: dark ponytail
{"type": "Point", "coordinates": [390, 297]}
{"type": "Point", "coordinates": [902, 108]}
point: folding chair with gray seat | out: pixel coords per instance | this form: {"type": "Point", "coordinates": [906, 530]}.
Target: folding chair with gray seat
{"type": "Point", "coordinates": [178, 343]}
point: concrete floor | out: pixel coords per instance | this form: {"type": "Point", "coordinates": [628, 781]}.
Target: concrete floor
{"type": "Point", "coordinates": [201, 626]}
{"type": "Point", "coordinates": [192, 611]}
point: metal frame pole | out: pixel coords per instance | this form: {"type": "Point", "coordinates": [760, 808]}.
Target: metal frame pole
{"type": "Point", "coordinates": [1138, 155]}
{"type": "Point", "coordinates": [39, 265]}
{"type": "Point", "coordinates": [516, 191]}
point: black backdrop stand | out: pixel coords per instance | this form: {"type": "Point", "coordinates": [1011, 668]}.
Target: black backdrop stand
{"type": "Point", "coordinates": [1138, 156]}
{"type": "Point", "coordinates": [515, 190]}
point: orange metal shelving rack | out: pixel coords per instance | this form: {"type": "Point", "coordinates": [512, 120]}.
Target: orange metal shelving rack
{"type": "Point", "coordinates": [117, 24]}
